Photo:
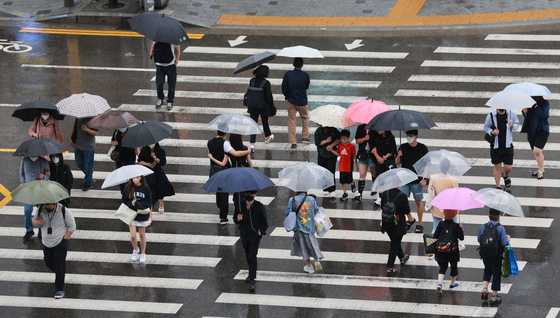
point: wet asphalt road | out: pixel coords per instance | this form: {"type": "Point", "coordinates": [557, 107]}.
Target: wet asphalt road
{"type": "Point", "coordinates": [532, 293]}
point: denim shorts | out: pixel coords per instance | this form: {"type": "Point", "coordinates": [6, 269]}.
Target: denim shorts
{"type": "Point", "coordinates": [369, 162]}
{"type": "Point", "coordinates": [416, 190]}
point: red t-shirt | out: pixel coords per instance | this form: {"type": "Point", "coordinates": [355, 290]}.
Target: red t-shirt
{"type": "Point", "coordinates": [347, 154]}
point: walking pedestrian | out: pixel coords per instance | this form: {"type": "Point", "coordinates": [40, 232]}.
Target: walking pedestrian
{"type": "Point", "coordinates": [408, 154]}
{"type": "Point", "coordinates": [384, 152]}
{"type": "Point", "coordinates": [294, 87]}
{"type": "Point", "coordinates": [537, 129]}
{"type": "Point", "coordinates": [32, 168]}
{"type": "Point", "coordinates": [138, 197]}
{"type": "Point", "coordinates": [127, 156]}
{"type": "Point", "coordinates": [166, 56]}
{"type": "Point", "coordinates": [45, 126]}
{"type": "Point", "coordinates": [61, 173]}
{"type": "Point", "coordinates": [261, 73]}
{"type": "Point", "coordinates": [60, 224]}
{"type": "Point", "coordinates": [83, 140]}
{"type": "Point", "coordinates": [501, 124]}
{"type": "Point", "coordinates": [304, 242]}
{"type": "Point", "coordinates": [326, 139]}
{"type": "Point", "coordinates": [153, 157]}
{"type": "Point", "coordinates": [395, 229]}
{"type": "Point", "coordinates": [253, 224]}
{"type": "Point", "coordinates": [491, 254]}
{"type": "Point", "coordinates": [348, 162]}
{"type": "Point", "coordinates": [364, 139]}
{"type": "Point", "coordinates": [447, 253]}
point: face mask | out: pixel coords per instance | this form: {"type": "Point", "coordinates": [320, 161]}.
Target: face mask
{"type": "Point", "coordinates": [151, 146]}
{"type": "Point", "coordinates": [136, 180]}
{"type": "Point", "coordinates": [45, 117]}
{"type": "Point", "coordinates": [49, 210]}
{"type": "Point", "coordinates": [345, 142]}
{"type": "Point", "coordinates": [249, 197]}
{"type": "Point", "coordinates": [381, 132]}
{"type": "Point", "coordinates": [122, 129]}
{"type": "Point", "coordinates": [410, 139]}
{"type": "Point", "coordinates": [33, 158]}
{"type": "Point", "coordinates": [55, 160]}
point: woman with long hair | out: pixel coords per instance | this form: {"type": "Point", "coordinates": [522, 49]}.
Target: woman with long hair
{"type": "Point", "coordinates": [384, 152]}
{"type": "Point", "coordinates": [261, 73]}
{"type": "Point", "coordinates": [127, 156]}
{"type": "Point", "coordinates": [45, 126]}
{"type": "Point", "coordinates": [537, 129]}
{"type": "Point", "coordinates": [153, 157]}
{"type": "Point", "coordinates": [137, 196]}
{"type": "Point", "coordinates": [364, 139]}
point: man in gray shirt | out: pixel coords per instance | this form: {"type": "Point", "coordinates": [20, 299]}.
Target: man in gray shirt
{"type": "Point", "coordinates": [59, 224]}
{"type": "Point", "coordinates": [84, 149]}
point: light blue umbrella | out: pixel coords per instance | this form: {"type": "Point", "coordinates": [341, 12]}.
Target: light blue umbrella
{"type": "Point", "coordinates": [530, 89]}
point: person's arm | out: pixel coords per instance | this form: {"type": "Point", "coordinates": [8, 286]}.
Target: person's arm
{"type": "Point", "coordinates": [290, 206]}
{"type": "Point", "coordinates": [89, 130]}
{"type": "Point", "coordinates": [69, 178]}
{"type": "Point", "coordinates": [268, 99]}
{"type": "Point", "coordinates": [177, 54]}
{"type": "Point", "coordinates": [285, 85]}
{"type": "Point", "coordinates": [219, 163]}
{"type": "Point", "coordinates": [33, 128]}
{"type": "Point", "coordinates": [307, 81]}
{"type": "Point", "coordinates": [263, 221]}
{"type": "Point", "coordinates": [249, 161]}
{"type": "Point", "coordinates": [504, 238]}
{"type": "Point", "coordinates": [488, 124]}
{"type": "Point", "coordinates": [152, 49]}
{"type": "Point", "coordinates": [237, 217]}
{"type": "Point", "coordinates": [21, 172]}
{"type": "Point", "coordinates": [514, 121]}
{"type": "Point", "coordinates": [161, 158]}
{"type": "Point", "coordinates": [355, 160]}
{"type": "Point", "coordinates": [70, 223]}
{"type": "Point", "coordinates": [460, 233]}
{"type": "Point", "coordinates": [239, 153]}
{"type": "Point", "coordinates": [58, 131]}
{"type": "Point", "coordinates": [146, 203]}
{"type": "Point", "coordinates": [399, 155]}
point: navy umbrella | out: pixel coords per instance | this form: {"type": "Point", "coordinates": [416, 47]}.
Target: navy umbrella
{"type": "Point", "coordinates": [28, 111]}
{"type": "Point", "coordinates": [254, 61]}
{"type": "Point", "coordinates": [235, 180]}
{"type": "Point", "coordinates": [146, 133]}
{"type": "Point", "coordinates": [39, 147]}
{"type": "Point", "coordinates": [401, 120]}
{"type": "Point", "coordinates": [159, 27]}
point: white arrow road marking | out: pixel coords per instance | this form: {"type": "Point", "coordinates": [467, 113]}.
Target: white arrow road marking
{"type": "Point", "coordinates": [353, 45]}
{"type": "Point", "coordinates": [237, 41]}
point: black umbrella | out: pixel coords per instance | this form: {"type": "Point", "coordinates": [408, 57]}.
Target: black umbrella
{"type": "Point", "coordinates": [254, 61]}
{"type": "Point", "coordinates": [146, 133]}
{"type": "Point", "coordinates": [401, 119]}
{"type": "Point", "coordinates": [159, 27]}
{"type": "Point", "coordinates": [39, 147]}
{"type": "Point", "coordinates": [28, 111]}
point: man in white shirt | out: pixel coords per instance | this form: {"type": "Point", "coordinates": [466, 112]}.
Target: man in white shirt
{"type": "Point", "coordinates": [166, 57]}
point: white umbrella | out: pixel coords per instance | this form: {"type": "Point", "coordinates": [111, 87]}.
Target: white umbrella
{"type": "Point", "coordinates": [300, 51]}
{"type": "Point", "coordinates": [83, 105]}
{"type": "Point", "coordinates": [510, 99]}
{"type": "Point", "coordinates": [235, 124]}
{"type": "Point", "coordinates": [331, 116]}
{"type": "Point", "coordinates": [393, 178]}
{"type": "Point", "coordinates": [499, 200]}
{"type": "Point", "coordinates": [442, 161]}
{"type": "Point", "coordinates": [304, 176]}
{"type": "Point", "coordinates": [125, 173]}
{"type": "Point", "coordinates": [530, 89]}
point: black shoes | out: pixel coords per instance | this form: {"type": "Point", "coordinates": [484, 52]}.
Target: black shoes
{"type": "Point", "coordinates": [87, 187]}
{"type": "Point", "coordinates": [251, 286]}
{"type": "Point", "coordinates": [28, 235]}
{"type": "Point", "coordinates": [495, 300]}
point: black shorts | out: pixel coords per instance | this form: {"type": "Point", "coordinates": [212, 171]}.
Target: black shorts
{"type": "Point", "coordinates": [538, 140]}
{"type": "Point", "coordinates": [502, 155]}
{"type": "Point", "coordinates": [346, 178]}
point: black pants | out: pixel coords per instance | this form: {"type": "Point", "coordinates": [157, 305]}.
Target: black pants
{"type": "Point", "coordinates": [171, 73]}
{"type": "Point", "coordinates": [493, 269]}
{"type": "Point", "coordinates": [55, 259]}
{"type": "Point", "coordinates": [251, 246]}
{"type": "Point", "coordinates": [329, 164]}
{"type": "Point", "coordinates": [446, 259]}
{"type": "Point", "coordinates": [266, 128]}
{"type": "Point", "coordinates": [395, 249]}
{"type": "Point", "coordinates": [222, 204]}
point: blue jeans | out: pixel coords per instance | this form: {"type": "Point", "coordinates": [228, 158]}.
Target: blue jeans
{"type": "Point", "coordinates": [171, 72]}
{"type": "Point", "coordinates": [416, 190]}
{"type": "Point", "coordinates": [28, 209]}
{"type": "Point", "coordinates": [84, 161]}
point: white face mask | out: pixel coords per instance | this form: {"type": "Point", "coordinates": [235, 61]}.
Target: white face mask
{"type": "Point", "coordinates": [410, 139]}
{"type": "Point", "coordinates": [136, 180]}
{"type": "Point", "coordinates": [151, 146]}
{"type": "Point", "coordinates": [33, 158]}
{"type": "Point", "coordinates": [381, 132]}
{"type": "Point", "coordinates": [45, 117]}
{"type": "Point", "coordinates": [345, 142]}
{"type": "Point", "coordinates": [55, 160]}
{"type": "Point", "coordinates": [122, 129]}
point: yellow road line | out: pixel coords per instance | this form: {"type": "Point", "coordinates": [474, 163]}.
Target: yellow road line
{"type": "Point", "coordinates": [7, 196]}
{"type": "Point", "coordinates": [7, 150]}
{"type": "Point", "coordinates": [194, 36]}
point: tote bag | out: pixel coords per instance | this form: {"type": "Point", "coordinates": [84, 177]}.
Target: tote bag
{"type": "Point", "coordinates": [431, 194]}
{"type": "Point", "coordinates": [126, 214]}
{"type": "Point", "coordinates": [291, 219]}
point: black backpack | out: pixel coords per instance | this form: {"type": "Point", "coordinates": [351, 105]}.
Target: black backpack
{"type": "Point", "coordinates": [447, 241]}
{"type": "Point", "coordinates": [389, 210]}
{"type": "Point", "coordinates": [490, 247]}
{"type": "Point", "coordinates": [163, 53]}
{"type": "Point", "coordinates": [254, 98]}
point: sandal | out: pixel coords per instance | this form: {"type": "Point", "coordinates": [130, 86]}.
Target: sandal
{"type": "Point", "coordinates": [540, 175]}
{"type": "Point", "coordinates": [161, 210]}
{"type": "Point", "coordinates": [391, 271]}
{"type": "Point", "coordinates": [409, 224]}
{"type": "Point", "coordinates": [507, 181]}
{"type": "Point", "coordinates": [405, 259]}
{"type": "Point", "coordinates": [419, 228]}
{"type": "Point", "coordinates": [484, 294]}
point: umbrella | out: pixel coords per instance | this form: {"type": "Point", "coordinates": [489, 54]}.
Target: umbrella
{"type": "Point", "coordinates": [113, 119]}
{"type": "Point", "coordinates": [442, 161]}
{"type": "Point", "coordinates": [83, 105]}
{"type": "Point", "coordinates": [40, 192]}
{"type": "Point", "coordinates": [125, 173]}
{"type": "Point", "coordinates": [499, 200]}
{"type": "Point", "coordinates": [401, 119]}
{"type": "Point", "coordinates": [530, 89]}
{"type": "Point", "coordinates": [236, 124]}
{"type": "Point", "coordinates": [235, 180]}
{"type": "Point", "coordinates": [456, 199]}
{"type": "Point", "coordinates": [254, 61]}
{"type": "Point", "coordinates": [393, 178]}
{"type": "Point", "coordinates": [28, 111]}
{"type": "Point", "coordinates": [146, 133]}
{"type": "Point", "coordinates": [159, 27]}
{"type": "Point", "coordinates": [331, 116]}
{"type": "Point", "coordinates": [39, 147]}
{"type": "Point", "coordinates": [304, 176]}
{"type": "Point", "coordinates": [363, 111]}
{"type": "Point", "coordinates": [510, 99]}
{"type": "Point", "coordinates": [300, 51]}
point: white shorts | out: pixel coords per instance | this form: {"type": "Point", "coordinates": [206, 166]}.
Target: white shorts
{"type": "Point", "coordinates": [140, 223]}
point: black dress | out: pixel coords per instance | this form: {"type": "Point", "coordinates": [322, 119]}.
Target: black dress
{"type": "Point", "coordinates": [158, 182]}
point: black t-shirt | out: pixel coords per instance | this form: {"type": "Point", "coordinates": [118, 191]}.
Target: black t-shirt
{"type": "Point", "coordinates": [502, 127]}
{"type": "Point", "coordinates": [410, 155]}
{"type": "Point", "coordinates": [361, 133]}
{"type": "Point", "coordinates": [386, 145]}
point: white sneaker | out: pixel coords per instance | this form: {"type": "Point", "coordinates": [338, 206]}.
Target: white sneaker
{"type": "Point", "coordinates": [332, 194]}
{"type": "Point", "coordinates": [252, 147]}
{"type": "Point", "coordinates": [135, 254]}
{"type": "Point", "coordinates": [378, 201]}
{"type": "Point", "coordinates": [269, 139]}
{"type": "Point", "coordinates": [308, 269]}
{"type": "Point", "coordinates": [318, 266]}
{"type": "Point", "coordinates": [431, 256]}
{"type": "Point", "coordinates": [142, 258]}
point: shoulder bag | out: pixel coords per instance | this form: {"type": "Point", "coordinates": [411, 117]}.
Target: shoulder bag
{"type": "Point", "coordinates": [291, 219]}
{"type": "Point", "coordinates": [431, 194]}
{"type": "Point", "coordinates": [126, 214]}
{"type": "Point", "coordinates": [490, 138]}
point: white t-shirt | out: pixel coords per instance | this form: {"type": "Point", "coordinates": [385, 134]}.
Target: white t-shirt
{"type": "Point", "coordinates": [173, 46]}
{"type": "Point", "coordinates": [227, 147]}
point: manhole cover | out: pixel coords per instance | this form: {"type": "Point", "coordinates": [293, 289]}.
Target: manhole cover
{"type": "Point", "coordinates": [109, 6]}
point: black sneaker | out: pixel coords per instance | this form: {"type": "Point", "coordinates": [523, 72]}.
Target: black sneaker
{"type": "Point", "coordinates": [344, 197]}
{"type": "Point", "coordinates": [248, 279]}
{"type": "Point", "coordinates": [252, 286]}
{"type": "Point", "coordinates": [353, 185]}
{"type": "Point", "coordinates": [223, 221]}
{"type": "Point", "coordinates": [28, 235]}
{"type": "Point", "coordinates": [358, 198]}
{"type": "Point", "coordinates": [373, 193]}
{"type": "Point", "coordinates": [495, 300]}
{"type": "Point", "coordinates": [87, 187]}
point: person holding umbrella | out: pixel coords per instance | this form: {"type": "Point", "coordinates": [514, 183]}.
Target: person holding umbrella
{"type": "Point", "coordinates": [153, 157]}
{"type": "Point", "coordinates": [326, 138]}
{"type": "Point", "coordinates": [127, 156]}
{"type": "Point", "coordinates": [32, 168]}
{"type": "Point", "coordinates": [501, 123]}
{"type": "Point", "coordinates": [447, 253]}
{"type": "Point", "coordinates": [261, 73]}
{"type": "Point", "coordinates": [166, 56]}
{"type": "Point", "coordinates": [137, 196]}
{"type": "Point", "coordinates": [46, 126]}
{"type": "Point", "coordinates": [384, 152]}
{"type": "Point", "coordinates": [364, 139]}
{"type": "Point", "coordinates": [83, 142]}
{"type": "Point", "coordinates": [61, 173]}
{"type": "Point", "coordinates": [537, 129]}
{"type": "Point", "coordinates": [294, 87]}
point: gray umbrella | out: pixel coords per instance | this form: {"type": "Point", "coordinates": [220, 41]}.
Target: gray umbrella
{"type": "Point", "coordinates": [146, 133]}
{"type": "Point", "coordinates": [39, 147]}
{"type": "Point", "coordinates": [254, 61]}
{"type": "Point", "coordinates": [159, 27]}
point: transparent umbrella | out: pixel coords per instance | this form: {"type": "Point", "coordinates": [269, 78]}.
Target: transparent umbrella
{"type": "Point", "coordinates": [331, 116]}
{"type": "Point", "coordinates": [499, 200]}
{"type": "Point", "coordinates": [393, 178]}
{"type": "Point", "coordinates": [442, 161]}
{"type": "Point", "coordinates": [304, 176]}
{"type": "Point", "coordinates": [236, 124]}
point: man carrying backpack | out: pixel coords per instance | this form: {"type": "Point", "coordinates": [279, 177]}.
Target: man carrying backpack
{"type": "Point", "coordinates": [166, 57]}
{"type": "Point", "coordinates": [395, 207]}
{"type": "Point", "coordinates": [492, 238]}
{"type": "Point", "coordinates": [447, 249]}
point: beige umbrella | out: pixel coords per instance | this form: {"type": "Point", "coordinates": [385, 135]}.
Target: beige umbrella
{"type": "Point", "coordinates": [331, 116]}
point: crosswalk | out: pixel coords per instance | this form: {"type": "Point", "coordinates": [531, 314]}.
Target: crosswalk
{"type": "Point", "coordinates": [186, 236]}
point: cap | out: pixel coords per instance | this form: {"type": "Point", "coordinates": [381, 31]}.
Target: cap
{"type": "Point", "coordinates": [494, 212]}
{"type": "Point", "coordinates": [412, 132]}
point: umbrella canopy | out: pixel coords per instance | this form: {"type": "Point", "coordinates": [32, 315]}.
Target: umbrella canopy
{"type": "Point", "coordinates": [40, 192]}
{"type": "Point", "coordinates": [456, 199]}
{"type": "Point", "coordinates": [304, 176]}
{"type": "Point", "coordinates": [236, 124]}
{"type": "Point", "coordinates": [113, 119]}
{"type": "Point", "coordinates": [254, 61]}
{"type": "Point", "coordinates": [159, 27]}
{"type": "Point", "coordinates": [363, 111]}
{"type": "Point", "coordinates": [499, 200]}
{"type": "Point", "coordinates": [300, 51]}
{"type": "Point", "coordinates": [125, 173]}
{"type": "Point", "coordinates": [510, 99]}
{"type": "Point", "coordinates": [331, 116]}
{"type": "Point", "coordinates": [442, 161]}
{"type": "Point", "coordinates": [393, 178]}
{"type": "Point", "coordinates": [146, 133]}
{"type": "Point", "coordinates": [39, 147]}
{"type": "Point", "coordinates": [530, 89]}
{"type": "Point", "coordinates": [83, 105]}
{"type": "Point", "coordinates": [237, 180]}
{"type": "Point", "coordinates": [401, 119]}
{"type": "Point", "coordinates": [28, 111]}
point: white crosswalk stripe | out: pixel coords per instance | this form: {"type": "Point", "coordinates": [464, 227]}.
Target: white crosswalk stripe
{"type": "Point", "coordinates": [495, 51]}
{"type": "Point", "coordinates": [523, 37]}
{"type": "Point", "coordinates": [289, 67]}
{"type": "Point", "coordinates": [273, 81]}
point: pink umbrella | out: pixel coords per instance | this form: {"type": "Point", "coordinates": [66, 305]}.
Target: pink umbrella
{"type": "Point", "coordinates": [363, 111]}
{"type": "Point", "coordinates": [456, 199]}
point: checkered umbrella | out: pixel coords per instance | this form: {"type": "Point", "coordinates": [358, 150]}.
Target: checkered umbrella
{"type": "Point", "coordinates": [83, 105]}
{"type": "Point", "coordinates": [113, 119]}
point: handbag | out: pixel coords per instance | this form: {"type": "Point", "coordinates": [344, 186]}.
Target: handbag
{"type": "Point", "coordinates": [273, 110]}
{"type": "Point", "coordinates": [322, 222]}
{"type": "Point", "coordinates": [126, 214]}
{"type": "Point", "coordinates": [291, 218]}
{"type": "Point", "coordinates": [429, 243]}
{"type": "Point", "coordinates": [488, 137]}
{"type": "Point", "coordinates": [113, 154]}
{"type": "Point", "coordinates": [431, 194]}
{"type": "Point", "coordinates": [509, 263]}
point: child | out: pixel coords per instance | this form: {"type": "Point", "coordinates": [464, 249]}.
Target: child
{"type": "Point", "coordinates": [492, 263]}
{"type": "Point", "coordinates": [447, 253]}
{"type": "Point", "coordinates": [348, 162]}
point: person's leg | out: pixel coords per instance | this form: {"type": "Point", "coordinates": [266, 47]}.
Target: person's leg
{"type": "Point", "coordinates": [161, 206]}
{"type": "Point", "coordinates": [394, 249]}
{"type": "Point", "coordinates": [133, 240]}
{"type": "Point", "coordinates": [304, 121]}
{"type": "Point", "coordinates": [79, 159]}
{"type": "Point", "coordinates": [486, 277]}
{"type": "Point", "coordinates": [142, 233]}
{"type": "Point", "coordinates": [496, 265]}
{"type": "Point", "coordinates": [171, 72]}
{"type": "Point", "coordinates": [497, 173]}
{"type": "Point", "coordinates": [88, 167]}
{"type": "Point", "coordinates": [28, 209]}
{"type": "Point", "coordinates": [223, 205]}
{"type": "Point", "coordinates": [442, 269]}
{"type": "Point", "coordinates": [323, 162]}
{"type": "Point", "coordinates": [254, 117]}
{"type": "Point", "coordinates": [419, 211]}
{"type": "Point", "coordinates": [436, 222]}
{"type": "Point", "coordinates": [59, 261]}
{"type": "Point", "coordinates": [252, 258]}
{"type": "Point", "coordinates": [344, 187]}
{"type": "Point", "coordinates": [362, 180]}
{"type": "Point", "coordinates": [454, 270]}
{"type": "Point", "coordinates": [160, 80]}
{"type": "Point", "coordinates": [48, 258]}
{"type": "Point", "coordinates": [539, 156]}
{"type": "Point", "coordinates": [292, 139]}
{"type": "Point", "coordinates": [331, 166]}
{"type": "Point", "coordinates": [507, 170]}
{"type": "Point", "coordinates": [266, 127]}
